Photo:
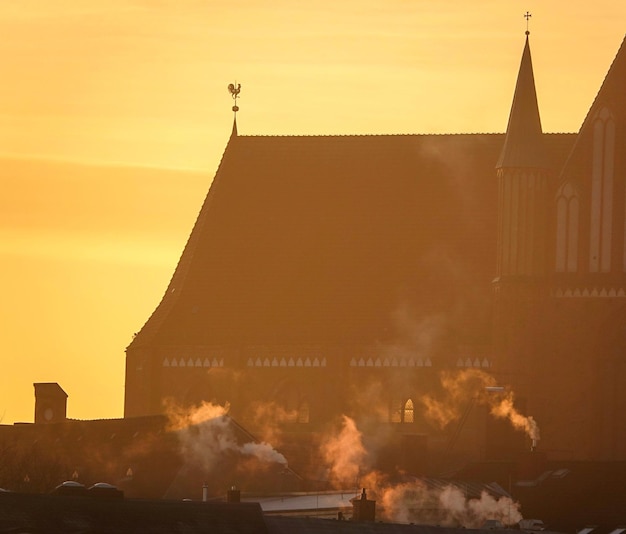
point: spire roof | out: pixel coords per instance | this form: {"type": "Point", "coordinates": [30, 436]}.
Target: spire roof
{"type": "Point", "coordinates": [523, 145]}
{"type": "Point", "coordinates": [234, 132]}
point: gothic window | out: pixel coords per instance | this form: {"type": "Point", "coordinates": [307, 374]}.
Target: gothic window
{"type": "Point", "coordinates": [567, 229]}
{"type": "Point", "coordinates": [407, 412]}
{"type": "Point", "coordinates": [602, 192]}
{"type": "Point", "coordinates": [402, 411]}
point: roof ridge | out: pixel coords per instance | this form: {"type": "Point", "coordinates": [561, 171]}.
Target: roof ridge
{"type": "Point", "coordinates": [451, 134]}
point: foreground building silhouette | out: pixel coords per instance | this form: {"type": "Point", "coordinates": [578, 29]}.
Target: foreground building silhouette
{"type": "Point", "coordinates": [332, 275]}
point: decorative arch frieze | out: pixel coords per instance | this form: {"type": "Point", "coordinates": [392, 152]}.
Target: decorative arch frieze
{"type": "Point", "coordinates": [411, 361]}
{"type": "Point", "coordinates": [567, 214]}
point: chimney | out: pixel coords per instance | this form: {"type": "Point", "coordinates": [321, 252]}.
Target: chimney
{"type": "Point", "coordinates": [233, 495]}
{"type": "Point", "coordinates": [363, 509]}
{"type": "Point", "coordinates": [50, 403]}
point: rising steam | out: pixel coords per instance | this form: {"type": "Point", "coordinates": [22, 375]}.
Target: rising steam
{"type": "Point", "coordinates": [463, 388]}
{"type": "Point", "coordinates": [206, 433]}
{"type": "Point", "coordinates": [505, 409]}
{"type": "Point", "coordinates": [415, 502]}
{"type": "Point", "coordinates": [267, 418]}
{"type": "Point", "coordinates": [345, 454]}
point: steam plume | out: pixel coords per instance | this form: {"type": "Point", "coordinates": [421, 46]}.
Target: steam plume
{"type": "Point", "coordinates": [345, 454]}
{"type": "Point", "coordinates": [205, 433]}
{"type": "Point", "coordinates": [506, 410]}
{"type": "Point", "coordinates": [465, 387]}
{"type": "Point", "coordinates": [267, 418]}
{"type": "Point", "coordinates": [415, 502]}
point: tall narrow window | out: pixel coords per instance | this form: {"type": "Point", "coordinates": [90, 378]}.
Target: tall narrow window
{"type": "Point", "coordinates": [602, 192]}
{"type": "Point", "coordinates": [408, 415]}
{"type": "Point", "coordinates": [567, 229]}
{"type": "Point", "coordinates": [402, 411]}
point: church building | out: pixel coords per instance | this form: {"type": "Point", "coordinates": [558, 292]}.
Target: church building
{"type": "Point", "coordinates": [362, 275]}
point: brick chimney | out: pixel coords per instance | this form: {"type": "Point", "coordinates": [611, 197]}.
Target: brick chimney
{"type": "Point", "coordinates": [233, 495]}
{"type": "Point", "coordinates": [363, 509]}
{"type": "Point", "coordinates": [50, 403]}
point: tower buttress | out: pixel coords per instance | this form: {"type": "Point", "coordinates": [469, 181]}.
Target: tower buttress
{"type": "Point", "coordinates": [524, 181]}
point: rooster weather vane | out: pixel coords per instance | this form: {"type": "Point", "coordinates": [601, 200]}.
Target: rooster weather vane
{"type": "Point", "coordinates": [234, 90]}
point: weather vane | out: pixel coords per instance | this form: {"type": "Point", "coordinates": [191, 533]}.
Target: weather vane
{"type": "Point", "coordinates": [234, 90]}
{"type": "Point", "coordinates": [527, 17]}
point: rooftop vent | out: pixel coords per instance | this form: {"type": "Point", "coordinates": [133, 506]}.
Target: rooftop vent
{"type": "Point", "coordinates": [70, 487]}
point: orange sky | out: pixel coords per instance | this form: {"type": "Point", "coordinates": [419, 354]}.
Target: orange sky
{"type": "Point", "coordinates": [87, 250]}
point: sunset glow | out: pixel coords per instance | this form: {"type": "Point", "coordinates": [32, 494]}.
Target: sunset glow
{"type": "Point", "coordinates": [115, 114]}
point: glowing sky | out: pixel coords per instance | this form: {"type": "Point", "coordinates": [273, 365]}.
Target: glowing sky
{"type": "Point", "coordinates": [87, 250]}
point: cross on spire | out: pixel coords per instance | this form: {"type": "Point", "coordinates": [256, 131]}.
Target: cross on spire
{"type": "Point", "coordinates": [527, 17]}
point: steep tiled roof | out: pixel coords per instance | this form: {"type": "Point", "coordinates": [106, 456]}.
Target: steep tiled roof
{"type": "Point", "coordinates": [326, 239]}
{"type": "Point", "coordinates": [611, 92]}
{"type": "Point", "coordinates": [610, 95]}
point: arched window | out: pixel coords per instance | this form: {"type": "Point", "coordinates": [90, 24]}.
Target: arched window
{"type": "Point", "coordinates": [408, 415]}
{"type": "Point", "coordinates": [402, 411]}
{"type": "Point", "coordinates": [602, 192]}
{"type": "Point", "coordinates": [567, 229]}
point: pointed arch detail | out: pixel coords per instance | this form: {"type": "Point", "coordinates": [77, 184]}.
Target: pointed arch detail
{"type": "Point", "coordinates": [567, 209]}
{"type": "Point", "coordinates": [402, 411]}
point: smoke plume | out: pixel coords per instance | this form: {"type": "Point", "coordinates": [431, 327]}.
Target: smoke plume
{"type": "Point", "coordinates": [206, 433]}
{"type": "Point", "coordinates": [415, 502]}
{"type": "Point", "coordinates": [506, 410]}
{"type": "Point", "coordinates": [267, 418]}
{"type": "Point", "coordinates": [464, 388]}
{"type": "Point", "coordinates": [345, 454]}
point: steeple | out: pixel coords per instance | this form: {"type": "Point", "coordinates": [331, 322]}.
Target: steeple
{"type": "Point", "coordinates": [523, 179]}
{"type": "Point", "coordinates": [523, 144]}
